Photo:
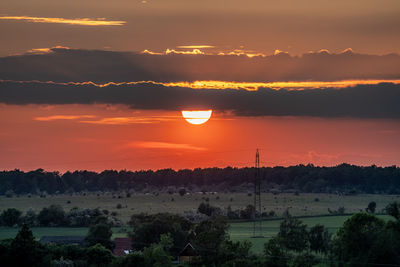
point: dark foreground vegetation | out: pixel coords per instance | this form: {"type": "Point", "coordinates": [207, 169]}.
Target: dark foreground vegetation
{"type": "Point", "coordinates": [158, 240]}
{"type": "Point", "coordinates": [343, 178]}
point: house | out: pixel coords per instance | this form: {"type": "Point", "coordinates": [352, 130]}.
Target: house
{"type": "Point", "coordinates": [187, 254]}
{"type": "Point", "coordinates": [123, 246]}
{"type": "Point", "coordinates": [63, 240]}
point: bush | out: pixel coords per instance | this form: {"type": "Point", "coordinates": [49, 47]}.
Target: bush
{"type": "Point", "coordinates": [10, 217]}
{"type": "Point", "coordinates": [206, 209]}
{"type": "Point", "coordinates": [248, 212]}
{"type": "Point", "coordinates": [9, 193]}
{"type": "Point", "coordinates": [119, 206]}
{"type": "Point", "coordinates": [52, 216]}
{"type": "Point", "coordinates": [182, 191]}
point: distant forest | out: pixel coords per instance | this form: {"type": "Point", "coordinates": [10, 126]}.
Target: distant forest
{"type": "Point", "coordinates": [344, 178]}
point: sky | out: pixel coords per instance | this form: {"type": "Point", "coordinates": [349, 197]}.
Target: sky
{"type": "Point", "coordinates": [101, 84]}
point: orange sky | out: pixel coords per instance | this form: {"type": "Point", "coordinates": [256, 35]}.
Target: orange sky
{"type": "Point", "coordinates": [98, 137]}
{"type": "Point", "coordinates": [56, 57]}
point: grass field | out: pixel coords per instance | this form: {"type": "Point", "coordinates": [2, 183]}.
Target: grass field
{"type": "Point", "coordinates": [302, 205]}
{"type": "Point", "coordinates": [244, 230]}
{"type": "Point", "coordinates": [38, 232]}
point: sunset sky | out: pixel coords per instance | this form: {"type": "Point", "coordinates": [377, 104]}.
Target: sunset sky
{"type": "Point", "coordinates": [100, 84]}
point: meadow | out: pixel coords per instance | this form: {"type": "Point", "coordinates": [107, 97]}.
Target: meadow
{"type": "Point", "coordinates": [240, 231]}
{"type": "Point", "coordinates": [297, 205]}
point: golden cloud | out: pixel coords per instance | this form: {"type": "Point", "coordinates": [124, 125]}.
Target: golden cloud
{"type": "Point", "coordinates": [195, 46]}
{"type": "Point", "coordinates": [63, 117]}
{"type": "Point", "coordinates": [77, 21]}
{"type": "Point", "coordinates": [248, 86]}
{"type": "Point", "coordinates": [129, 120]}
{"type": "Point", "coordinates": [164, 145]}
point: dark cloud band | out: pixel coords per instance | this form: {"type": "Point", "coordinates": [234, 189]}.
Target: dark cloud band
{"type": "Point", "coordinates": [363, 101]}
{"type": "Point", "coordinates": [64, 65]}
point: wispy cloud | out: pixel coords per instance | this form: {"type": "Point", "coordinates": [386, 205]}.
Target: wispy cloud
{"type": "Point", "coordinates": [164, 145]}
{"type": "Point", "coordinates": [77, 21]}
{"type": "Point", "coordinates": [195, 46]}
{"type": "Point", "coordinates": [173, 51]}
{"type": "Point", "coordinates": [45, 50]}
{"type": "Point", "coordinates": [129, 120]}
{"type": "Point", "coordinates": [63, 117]}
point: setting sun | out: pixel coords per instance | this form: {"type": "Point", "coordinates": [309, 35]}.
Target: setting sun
{"type": "Point", "coordinates": [196, 116]}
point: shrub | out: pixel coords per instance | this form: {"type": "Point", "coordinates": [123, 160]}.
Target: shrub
{"type": "Point", "coordinates": [52, 216]}
{"type": "Point", "coordinates": [9, 193]}
{"type": "Point", "coordinates": [10, 217]}
{"type": "Point", "coordinates": [182, 191]}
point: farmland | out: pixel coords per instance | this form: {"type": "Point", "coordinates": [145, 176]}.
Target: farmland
{"type": "Point", "coordinates": [297, 205]}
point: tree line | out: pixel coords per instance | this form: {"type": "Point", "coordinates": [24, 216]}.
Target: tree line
{"type": "Point", "coordinates": [343, 178]}
{"type": "Point", "coordinates": [55, 216]}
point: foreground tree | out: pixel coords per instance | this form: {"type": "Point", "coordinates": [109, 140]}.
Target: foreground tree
{"type": "Point", "coordinates": [100, 233]}
{"type": "Point", "coordinates": [99, 256]}
{"type": "Point", "coordinates": [319, 239]}
{"type": "Point", "coordinates": [293, 234]}
{"type": "Point", "coordinates": [208, 236]}
{"type": "Point", "coordinates": [365, 240]}
{"type": "Point", "coordinates": [275, 254]}
{"type": "Point", "coordinates": [25, 251]}
{"type": "Point", "coordinates": [158, 255]}
{"type": "Point", "coordinates": [147, 230]}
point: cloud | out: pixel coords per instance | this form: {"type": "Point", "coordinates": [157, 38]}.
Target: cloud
{"type": "Point", "coordinates": [164, 145]}
{"type": "Point", "coordinates": [64, 65]}
{"type": "Point", "coordinates": [173, 51]}
{"type": "Point", "coordinates": [82, 21]}
{"type": "Point", "coordinates": [195, 46]}
{"type": "Point", "coordinates": [63, 117]}
{"type": "Point", "coordinates": [45, 50]}
{"type": "Point", "coordinates": [249, 86]}
{"type": "Point", "coordinates": [129, 120]}
{"type": "Point", "coordinates": [362, 101]}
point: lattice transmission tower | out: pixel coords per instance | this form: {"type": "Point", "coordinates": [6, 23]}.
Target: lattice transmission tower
{"type": "Point", "coordinates": [257, 227]}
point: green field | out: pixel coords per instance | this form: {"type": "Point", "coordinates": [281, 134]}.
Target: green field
{"type": "Point", "coordinates": [302, 205]}
{"type": "Point", "coordinates": [38, 232]}
{"type": "Point", "coordinates": [244, 230]}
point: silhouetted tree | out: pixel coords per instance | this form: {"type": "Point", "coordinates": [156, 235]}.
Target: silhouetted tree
{"type": "Point", "coordinates": [100, 233]}
{"type": "Point", "coordinates": [10, 217]}
{"type": "Point", "coordinates": [54, 215]}
{"type": "Point", "coordinates": [293, 234]}
{"type": "Point", "coordinates": [319, 239]}
{"type": "Point", "coordinates": [371, 207]}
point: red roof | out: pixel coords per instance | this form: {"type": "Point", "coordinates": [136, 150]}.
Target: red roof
{"type": "Point", "coordinates": [123, 245]}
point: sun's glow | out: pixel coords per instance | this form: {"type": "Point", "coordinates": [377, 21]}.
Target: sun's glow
{"type": "Point", "coordinates": [196, 116]}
